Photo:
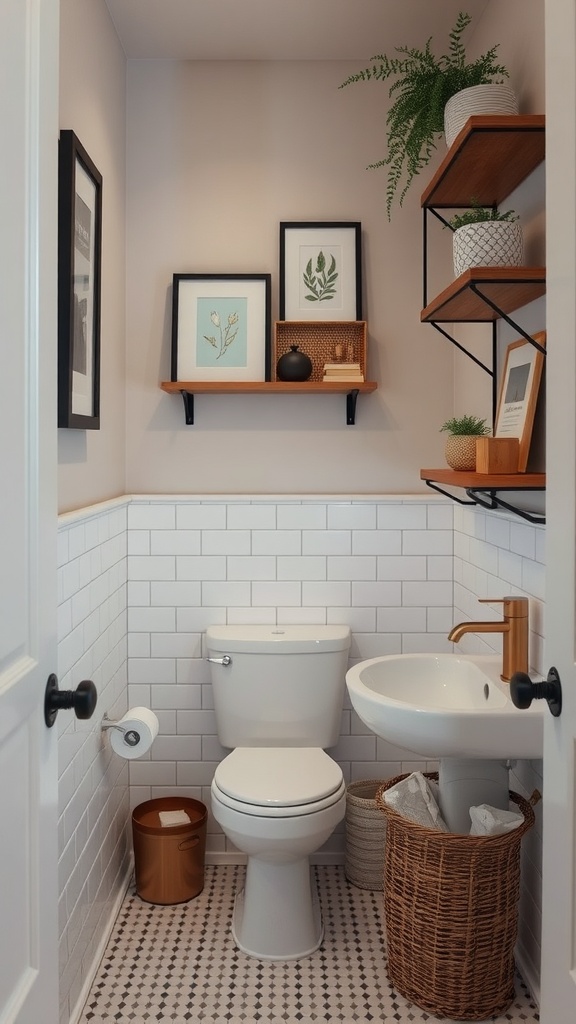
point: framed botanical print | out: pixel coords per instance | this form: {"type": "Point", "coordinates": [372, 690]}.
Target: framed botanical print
{"type": "Point", "coordinates": [320, 270]}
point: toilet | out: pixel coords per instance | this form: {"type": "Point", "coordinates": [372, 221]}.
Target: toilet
{"type": "Point", "coordinates": [278, 796]}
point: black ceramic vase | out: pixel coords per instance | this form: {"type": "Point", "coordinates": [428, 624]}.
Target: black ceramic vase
{"type": "Point", "coordinates": [294, 365]}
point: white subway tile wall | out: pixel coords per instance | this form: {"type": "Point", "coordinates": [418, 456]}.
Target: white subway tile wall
{"type": "Point", "coordinates": [379, 565]}
{"type": "Point", "coordinates": [94, 810]}
{"type": "Point", "coordinates": [399, 570]}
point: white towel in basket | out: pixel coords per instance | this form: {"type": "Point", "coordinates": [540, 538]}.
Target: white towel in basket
{"type": "Point", "coordinates": [491, 821]}
{"type": "Point", "coordinates": [415, 798]}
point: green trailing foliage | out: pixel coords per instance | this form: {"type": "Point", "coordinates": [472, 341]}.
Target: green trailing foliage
{"type": "Point", "coordinates": [424, 84]}
{"type": "Point", "coordinates": [479, 215]}
{"type": "Point", "coordinates": [466, 425]}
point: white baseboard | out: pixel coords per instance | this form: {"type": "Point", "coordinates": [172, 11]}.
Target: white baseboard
{"type": "Point", "coordinates": [222, 857]}
{"type": "Point", "coordinates": [91, 974]}
{"type": "Point", "coordinates": [215, 857]}
{"type": "Point", "coordinates": [529, 971]}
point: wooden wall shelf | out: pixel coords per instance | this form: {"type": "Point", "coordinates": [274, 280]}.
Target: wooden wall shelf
{"type": "Point", "coordinates": [482, 488]}
{"type": "Point", "coordinates": [469, 298]}
{"type": "Point", "coordinates": [260, 387]}
{"type": "Point", "coordinates": [503, 481]}
{"type": "Point", "coordinates": [491, 156]}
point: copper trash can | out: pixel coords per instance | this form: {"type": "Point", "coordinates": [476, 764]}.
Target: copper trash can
{"type": "Point", "coordinates": [169, 859]}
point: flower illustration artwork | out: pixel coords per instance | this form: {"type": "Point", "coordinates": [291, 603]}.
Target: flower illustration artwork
{"type": "Point", "coordinates": [226, 334]}
{"type": "Point", "coordinates": [221, 339]}
{"type": "Point", "coordinates": [319, 282]}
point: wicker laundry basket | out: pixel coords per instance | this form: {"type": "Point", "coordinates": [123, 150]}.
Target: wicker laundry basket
{"type": "Point", "coordinates": [365, 835]}
{"type": "Point", "coordinates": [451, 912]}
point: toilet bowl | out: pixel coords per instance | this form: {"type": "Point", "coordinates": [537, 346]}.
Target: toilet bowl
{"type": "Point", "coordinates": [278, 796]}
{"type": "Point", "coordinates": [278, 805]}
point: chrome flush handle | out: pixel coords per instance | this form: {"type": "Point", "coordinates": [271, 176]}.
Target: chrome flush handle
{"type": "Point", "coordinates": [226, 660]}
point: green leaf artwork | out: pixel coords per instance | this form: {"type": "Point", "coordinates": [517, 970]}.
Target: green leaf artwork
{"type": "Point", "coordinates": [319, 281]}
{"type": "Point", "coordinates": [226, 333]}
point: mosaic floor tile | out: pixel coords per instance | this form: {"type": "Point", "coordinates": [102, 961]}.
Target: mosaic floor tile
{"type": "Point", "coordinates": [178, 965]}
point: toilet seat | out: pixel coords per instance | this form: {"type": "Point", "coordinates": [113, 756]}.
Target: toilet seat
{"type": "Point", "coordinates": [278, 781]}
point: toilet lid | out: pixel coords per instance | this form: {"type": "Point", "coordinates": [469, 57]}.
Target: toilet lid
{"type": "Point", "coordinates": [278, 776]}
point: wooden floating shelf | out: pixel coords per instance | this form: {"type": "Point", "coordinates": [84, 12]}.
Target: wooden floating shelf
{"type": "Point", "coordinates": [270, 387]}
{"type": "Point", "coordinates": [491, 156]}
{"type": "Point", "coordinates": [464, 300]}
{"type": "Point", "coordinates": [189, 388]}
{"type": "Point", "coordinates": [485, 481]}
{"type": "Point", "coordinates": [485, 489]}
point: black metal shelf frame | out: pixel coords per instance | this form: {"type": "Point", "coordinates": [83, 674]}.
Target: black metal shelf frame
{"type": "Point", "coordinates": [351, 398]}
{"type": "Point", "coordinates": [488, 498]}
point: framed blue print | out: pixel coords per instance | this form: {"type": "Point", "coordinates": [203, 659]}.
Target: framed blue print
{"type": "Point", "coordinates": [221, 327]}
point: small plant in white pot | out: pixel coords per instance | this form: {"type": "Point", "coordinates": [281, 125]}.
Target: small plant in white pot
{"type": "Point", "coordinates": [460, 449]}
{"type": "Point", "coordinates": [486, 237]}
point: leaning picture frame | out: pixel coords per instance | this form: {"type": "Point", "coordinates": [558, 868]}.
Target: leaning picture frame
{"type": "Point", "coordinates": [221, 327]}
{"type": "Point", "coordinates": [320, 270]}
{"type": "Point", "coordinates": [79, 274]}
{"type": "Point", "coordinates": [518, 395]}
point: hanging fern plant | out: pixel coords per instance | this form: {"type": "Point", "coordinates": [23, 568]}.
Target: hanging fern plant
{"type": "Point", "coordinates": [424, 84]}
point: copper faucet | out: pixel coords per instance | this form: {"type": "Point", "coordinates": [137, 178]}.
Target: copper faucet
{"type": "Point", "coordinates": [514, 628]}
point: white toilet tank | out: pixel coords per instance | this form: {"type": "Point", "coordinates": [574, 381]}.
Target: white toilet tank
{"type": "Point", "coordinates": [284, 685]}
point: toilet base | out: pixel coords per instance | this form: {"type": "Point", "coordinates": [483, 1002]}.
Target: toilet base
{"type": "Point", "coordinates": [277, 916]}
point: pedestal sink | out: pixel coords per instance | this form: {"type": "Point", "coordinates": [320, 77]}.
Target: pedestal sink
{"type": "Point", "coordinates": [454, 708]}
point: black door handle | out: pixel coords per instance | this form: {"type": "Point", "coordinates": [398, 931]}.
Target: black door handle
{"type": "Point", "coordinates": [523, 691]}
{"type": "Point", "coordinates": [83, 699]}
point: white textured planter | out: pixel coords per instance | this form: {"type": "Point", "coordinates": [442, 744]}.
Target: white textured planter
{"type": "Point", "coordinates": [490, 243]}
{"type": "Point", "coordinates": [478, 99]}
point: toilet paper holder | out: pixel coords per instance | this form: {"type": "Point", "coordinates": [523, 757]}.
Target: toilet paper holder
{"type": "Point", "coordinates": [131, 736]}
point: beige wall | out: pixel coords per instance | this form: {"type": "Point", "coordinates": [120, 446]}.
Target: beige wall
{"type": "Point", "coordinates": [218, 154]}
{"type": "Point", "coordinates": [92, 104]}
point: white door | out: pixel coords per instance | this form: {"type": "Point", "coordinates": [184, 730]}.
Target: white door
{"type": "Point", "coordinates": [28, 770]}
{"type": "Point", "coordinates": [558, 996]}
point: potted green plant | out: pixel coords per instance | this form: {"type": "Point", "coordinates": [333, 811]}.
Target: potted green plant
{"type": "Point", "coordinates": [461, 444]}
{"type": "Point", "coordinates": [423, 85]}
{"type": "Point", "coordinates": [486, 237]}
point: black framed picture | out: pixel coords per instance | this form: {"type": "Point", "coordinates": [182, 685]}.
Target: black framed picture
{"type": "Point", "coordinates": [320, 270]}
{"type": "Point", "coordinates": [221, 327]}
{"type": "Point", "coordinates": [79, 270]}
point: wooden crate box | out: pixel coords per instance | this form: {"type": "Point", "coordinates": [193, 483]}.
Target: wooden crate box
{"type": "Point", "coordinates": [319, 340]}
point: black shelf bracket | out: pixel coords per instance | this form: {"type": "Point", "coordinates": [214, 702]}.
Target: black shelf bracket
{"type": "Point", "coordinates": [457, 344]}
{"type": "Point", "coordinates": [351, 407]}
{"type": "Point", "coordinates": [446, 494]}
{"type": "Point", "coordinates": [490, 499]}
{"type": "Point", "coordinates": [188, 398]}
{"type": "Point", "coordinates": [351, 398]}
{"type": "Point", "coordinates": [502, 315]}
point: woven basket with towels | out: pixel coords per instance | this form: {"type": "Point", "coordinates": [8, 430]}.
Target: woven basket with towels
{"type": "Point", "coordinates": [451, 912]}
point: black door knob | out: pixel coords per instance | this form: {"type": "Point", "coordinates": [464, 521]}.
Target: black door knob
{"type": "Point", "coordinates": [83, 699]}
{"type": "Point", "coordinates": [523, 691]}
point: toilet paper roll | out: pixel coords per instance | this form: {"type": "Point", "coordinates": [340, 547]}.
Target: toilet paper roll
{"type": "Point", "coordinates": [137, 722]}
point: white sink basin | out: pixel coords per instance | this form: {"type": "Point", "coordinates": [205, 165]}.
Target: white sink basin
{"type": "Point", "coordinates": [444, 705]}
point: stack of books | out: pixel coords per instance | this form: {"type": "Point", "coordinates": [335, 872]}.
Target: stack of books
{"type": "Point", "coordinates": [343, 372]}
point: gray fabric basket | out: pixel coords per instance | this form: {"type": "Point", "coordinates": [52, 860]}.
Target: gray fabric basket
{"type": "Point", "coordinates": [365, 835]}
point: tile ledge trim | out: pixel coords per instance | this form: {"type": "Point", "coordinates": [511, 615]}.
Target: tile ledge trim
{"type": "Point", "coordinates": [88, 511]}
{"type": "Point", "coordinates": [291, 499]}
{"type": "Point", "coordinates": [66, 519]}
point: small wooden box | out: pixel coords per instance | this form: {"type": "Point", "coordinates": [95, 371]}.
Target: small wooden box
{"type": "Point", "coordinates": [318, 339]}
{"type": "Point", "coordinates": [497, 455]}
